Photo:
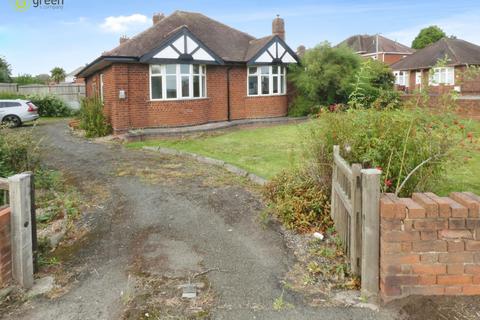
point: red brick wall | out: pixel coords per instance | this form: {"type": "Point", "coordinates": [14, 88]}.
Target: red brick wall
{"type": "Point", "coordinates": [469, 108]}
{"type": "Point", "coordinates": [5, 249]}
{"type": "Point", "coordinates": [429, 245]}
{"type": "Point", "coordinates": [390, 58]}
{"type": "Point", "coordinates": [137, 111]}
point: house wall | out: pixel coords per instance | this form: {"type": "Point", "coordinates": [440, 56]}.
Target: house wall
{"type": "Point", "coordinates": [429, 245]}
{"type": "Point", "coordinates": [5, 247]}
{"type": "Point", "coordinates": [390, 58]}
{"type": "Point", "coordinates": [137, 111]}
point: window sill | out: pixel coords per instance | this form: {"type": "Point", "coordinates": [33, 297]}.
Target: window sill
{"type": "Point", "coordinates": [178, 99]}
{"type": "Point", "coordinates": [266, 95]}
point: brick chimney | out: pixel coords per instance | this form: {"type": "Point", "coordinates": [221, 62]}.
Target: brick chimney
{"type": "Point", "coordinates": [124, 39]}
{"type": "Point", "coordinates": [301, 51]}
{"type": "Point", "coordinates": [278, 27]}
{"type": "Point", "coordinates": [157, 17]}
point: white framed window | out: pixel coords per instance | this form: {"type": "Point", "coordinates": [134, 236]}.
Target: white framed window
{"type": "Point", "coordinates": [101, 87]}
{"type": "Point", "coordinates": [267, 80]}
{"type": "Point", "coordinates": [177, 81]}
{"type": "Point", "coordinates": [418, 77]}
{"type": "Point", "coordinates": [443, 75]}
{"type": "Point", "coordinates": [401, 78]}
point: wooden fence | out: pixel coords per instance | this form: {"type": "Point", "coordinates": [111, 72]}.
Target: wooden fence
{"type": "Point", "coordinates": [355, 212]}
{"type": "Point", "coordinates": [70, 93]}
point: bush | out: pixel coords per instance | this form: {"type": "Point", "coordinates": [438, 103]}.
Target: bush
{"type": "Point", "coordinates": [402, 143]}
{"type": "Point", "coordinates": [18, 151]}
{"type": "Point", "coordinates": [92, 119]}
{"type": "Point", "coordinates": [48, 106]}
{"type": "Point", "coordinates": [300, 201]}
{"type": "Point", "coordinates": [325, 74]}
{"type": "Point", "coordinates": [302, 106]}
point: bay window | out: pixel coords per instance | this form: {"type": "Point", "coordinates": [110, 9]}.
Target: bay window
{"type": "Point", "coordinates": [266, 80]}
{"type": "Point", "coordinates": [444, 75]}
{"type": "Point", "coordinates": [177, 81]}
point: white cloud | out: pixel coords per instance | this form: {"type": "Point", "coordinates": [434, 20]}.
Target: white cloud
{"type": "Point", "coordinates": [120, 24]}
{"type": "Point", "coordinates": [463, 26]}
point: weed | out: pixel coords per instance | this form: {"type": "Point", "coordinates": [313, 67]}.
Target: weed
{"type": "Point", "coordinates": [280, 304]}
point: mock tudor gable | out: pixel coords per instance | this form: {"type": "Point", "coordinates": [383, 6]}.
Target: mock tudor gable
{"type": "Point", "coordinates": [182, 46]}
{"type": "Point", "coordinates": [188, 69]}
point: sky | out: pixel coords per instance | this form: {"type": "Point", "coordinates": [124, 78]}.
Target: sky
{"type": "Point", "coordinates": [38, 39]}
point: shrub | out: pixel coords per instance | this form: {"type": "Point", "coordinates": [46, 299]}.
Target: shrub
{"type": "Point", "coordinates": [403, 143]}
{"type": "Point", "coordinates": [18, 151]}
{"type": "Point", "coordinates": [325, 74]}
{"type": "Point", "coordinates": [92, 119]}
{"type": "Point", "coordinates": [302, 106]}
{"type": "Point", "coordinates": [300, 201]}
{"type": "Point", "coordinates": [48, 106]}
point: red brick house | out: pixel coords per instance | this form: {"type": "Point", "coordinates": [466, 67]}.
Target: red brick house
{"type": "Point", "coordinates": [421, 69]}
{"type": "Point", "coordinates": [377, 47]}
{"type": "Point", "coordinates": [188, 69]}
{"type": "Point", "coordinates": [457, 71]}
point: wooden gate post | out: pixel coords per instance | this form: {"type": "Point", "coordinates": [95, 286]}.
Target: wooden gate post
{"type": "Point", "coordinates": [355, 225]}
{"type": "Point", "coordinates": [371, 231]}
{"type": "Point", "coordinates": [21, 228]}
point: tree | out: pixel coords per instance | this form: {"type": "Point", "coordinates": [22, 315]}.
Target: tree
{"type": "Point", "coordinates": [5, 70]}
{"type": "Point", "coordinates": [428, 36]}
{"type": "Point", "coordinates": [43, 78]}
{"type": "Point", "coordinates": [58, 74]}
{"type": "Point", "coordinates": [326, 74]}
{"type": "Point", "coordinates": [24, 79]}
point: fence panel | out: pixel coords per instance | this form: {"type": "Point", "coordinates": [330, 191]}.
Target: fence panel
{"type": "Point", "coordinates": [8, 87]}
{"type": "Point", "coordinates": [346, 207]}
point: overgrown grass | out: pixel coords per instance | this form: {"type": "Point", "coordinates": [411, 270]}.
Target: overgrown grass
{"type": "Point", "coordinates": [268, 151]}
{"type": "Point", "coordinates": [264, 151]}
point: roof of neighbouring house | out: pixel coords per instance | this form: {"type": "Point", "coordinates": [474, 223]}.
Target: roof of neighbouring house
{"type": "Point", "coordinates": [74, 72]}
{"type": "Point", "coordinates": [458, 52]}
{"type": "Point", "coordinates": [366, 44]}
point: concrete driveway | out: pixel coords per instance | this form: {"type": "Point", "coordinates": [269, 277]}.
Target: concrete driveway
{"type": "Point", "coordinates": [169, 218]}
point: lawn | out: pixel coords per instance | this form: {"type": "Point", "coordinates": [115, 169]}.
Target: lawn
{"type": "Point", "coordinates": [267, 151]}
{"type": "Point", "coordinates": [264, 151]}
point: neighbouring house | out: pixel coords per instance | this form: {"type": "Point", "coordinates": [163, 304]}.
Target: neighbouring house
{"type": "Point", "coordinates": [72, 76]}
{"type": "Point", "coordinates": [377, 47]}
{"type": "Point", "coordinates": [439, 67]}
{"type": "Point", "coordinates": [188, 69]}
{"type": "Point", "coordinates": [444, 66]}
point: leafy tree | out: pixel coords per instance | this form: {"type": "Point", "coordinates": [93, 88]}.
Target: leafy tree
{"type": "Point", "coordinates": [5, 70]}
{"type": "Point", "coordinates": [428, 36]}
{"type": "Point", "coordinates": [58, 74]}
{"type": "Point", "coordinates": [325, 74]}
{"type": "Point", "coordinates": [25, 79]}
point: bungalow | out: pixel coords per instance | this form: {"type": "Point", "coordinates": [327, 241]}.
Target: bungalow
{"type": "Point", "coordinates": [422, 70]}
{"type": "Point", "coordinates": [188, 69]}
{"type": "Point", "coordinates": [377, 47]}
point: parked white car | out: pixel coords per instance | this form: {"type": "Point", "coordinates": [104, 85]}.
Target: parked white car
{"type": "Point", "coordinates": [15, 112]}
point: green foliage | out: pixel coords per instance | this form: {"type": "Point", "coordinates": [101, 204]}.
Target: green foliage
{"type": "Point", "coordinates": [5, 70]}
{"type": "Point", "coordinates": [92, 118]}
{"type": "Point", "coordinates": [300, 200]}
{"type": "Point", "coordinates": [26, 79]}
{"type": "Point", "coordinates": [325, 74]}
{"type": "Point", "coordinates": [400, 142]}
{"type": "Point", "coordinates": [374, 81]}
{"type": "Point", "coordinates": [302, 106]}
{"type": "Point", "coordinates": [58, 74]}
{"type": "Point", "coordinates": [48, 105]}
{"type": "Point", "coordinates": [428, 36]}
{"type": "Point", "coordinates": [18, 151]}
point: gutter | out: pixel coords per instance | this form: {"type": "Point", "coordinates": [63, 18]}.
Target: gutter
{"type": "Point", "coordinates": [105, 58]}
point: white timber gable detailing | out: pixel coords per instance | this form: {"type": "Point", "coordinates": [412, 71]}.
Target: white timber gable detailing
{"type": "Point", "coordinates": [184, 45]}
{"type": "Point", "coordinates": [276, 51]}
